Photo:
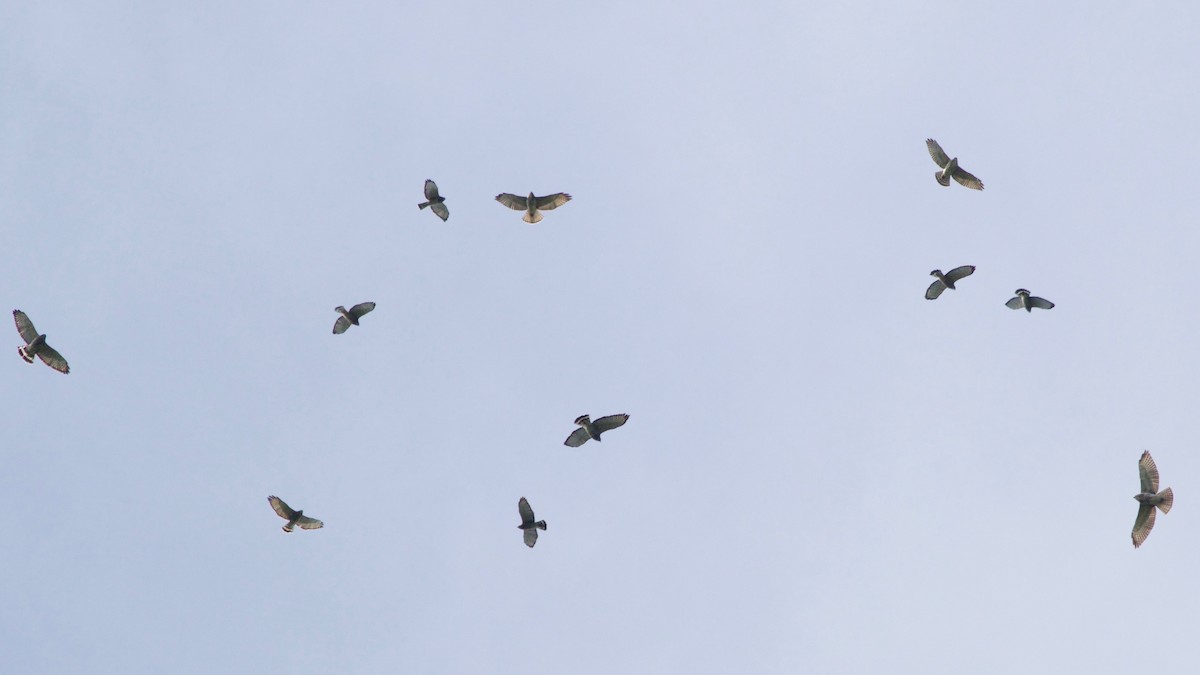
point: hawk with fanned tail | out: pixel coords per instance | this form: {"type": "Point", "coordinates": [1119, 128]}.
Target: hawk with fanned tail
{"type": "Point", "coordinates": [950, 168]}
{"type": "Point", "coordinates": [946, 280]}
{"type": "Point", "coordinates": [292, 516]}
{"type": "Point", "coordinates": [35, 345]}
{"type": "Point", "coordinates": [434, 201]}
{"type": "Point", "coordinates": [1149, 499]}
{"type": "Point", "coordinates": [589, 429]}
{"type": "Point", "coordinates": [532, 205]}
{"type": "Point", "coordinates": [528, 525]}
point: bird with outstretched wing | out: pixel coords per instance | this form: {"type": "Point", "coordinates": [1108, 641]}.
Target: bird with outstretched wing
{"type": "Point", "coordinates": [434, 201]}
{"type": "Point", "coordinates": [351, 316]}
{"type": "Point", "coordinates": [949, 168]}
{"type": "Point", "coordinates": [35, 345]}
{"type": "Point", "coordinates": [531, 205]}
{"type": "Point", "coordinates": [592, 430]}
{"type": "Point", "coordinates": [529, 525]}
{"type": "Point", "coordinates": [293, 517]}
{"type": "Point", "coordinates": [1149, 499]}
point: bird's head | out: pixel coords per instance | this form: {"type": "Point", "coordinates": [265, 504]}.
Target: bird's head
{"type": "Point", "coordinates": [531, 197]}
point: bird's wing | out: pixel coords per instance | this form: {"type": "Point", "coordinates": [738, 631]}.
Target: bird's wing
{"type": "Point", "coordinates": [935, 289]}
{"type": "Point", "coordinates": [1014, 303]}
{"type": "Point", "coordinates": [24, 326]}
{"type": "Point", "coordinates": [526, 512]}
{"type": "Point", "coordinates": [530, 537]}
{"type": "Point", "coordinates": [431, 192]}
{"type": "Point", "coordinates": [439, 208]}
{"type": "Point", "coordinates": [577, 438]}
{"type": "Point", "coordinates": [965, 179]}
{"type": "Point", "coordinates": [960, 272]}
{"type": "Point", "coordinates": [512, 201]}
{"type": "Point", "coordinates": [1040, 303]}
{"type": "Point", "coordinates": [550, 202]}
{"type": "Point", "coordinates": [361, 309]}
{"type": "Point", "coordinates": [307, 523]}
{"type": "Point", "coordinates": [1148, 472]}
{"type": "Point", "coordinates": [936, 152]}
{"type": "Point", "coordinates": [281, 507]}
{"type": "Point", "coordinates": [610, 422]}
{"type": "Point", "coordinates": [341, 325]}
{"type": "Point", "coordinates": [1143, 524]}
{"type": "Point", "coordinates": [50, 356]}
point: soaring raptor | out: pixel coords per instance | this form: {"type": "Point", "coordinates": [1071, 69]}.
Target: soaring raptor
{"type": "Point", "coordinates": [293, 517]}
{"type": "Point", "coordinates": [589, 429]}
{"type": "Point", "coordinates": [949, 168]}
{"type": "Point", "coordinates": [434, 201]}
{"type": "Point", "coordinates": [946, 280]}
{"type": "Point", "coordinates": [1027, 302]}
{"type": "Point", "coordinates": [528, 525]}
{"type": "Point", "coordinates": [532, 205]}
{"type": "Point", "coordinates": [35, 345]}
{"type": "Point", "coordinates": [350, 317]}
{"type": "Point", "coordinates": [1148, 499]}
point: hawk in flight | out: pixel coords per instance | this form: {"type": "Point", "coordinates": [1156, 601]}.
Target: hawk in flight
{"type": "Point", "coordinates": [528, 526]}
{"type": "Point", "coordinates": [35, 345]}
{"type": "Point", "coordinates": [351, 317]}
{"type": "Point", "coordinates": [947, 280]}
{"type": "Point", "coordinates": [531, 205]}
{"type": "Point", "coordinates": [1027, 302]}
{"type": "Point", "coordinates": [434, 201]}
{"type": "Point", "coordinates": [949, 168]}
{"type": "Point", "coordinates": [293, 517]}
{"type": "Point", "coordinates": [1149, 498]}
{"type": "Point", "coordinates": [589, 429]}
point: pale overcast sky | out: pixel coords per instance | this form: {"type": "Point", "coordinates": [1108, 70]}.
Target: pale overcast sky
{"type": "Point", "coordinates": [822, 473]}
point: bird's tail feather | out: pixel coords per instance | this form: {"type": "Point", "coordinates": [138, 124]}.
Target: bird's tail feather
{"type": "Point", "coordinates": [541, 524]}
{"type": "Point", "coordinates": [583, 419]}
{"type": "Point", "coordinates": [1168, 498]}
{"type": "Point", "coordinates": [942, 178]}
{"type": "Point", "coordinates": [422, 205]}
{"type": "Point", "coordinates": [535, 218]}
{"type": "Point", "coordinates": [287, 528]}
{"type": "Point", "coordinates": [25, 355]}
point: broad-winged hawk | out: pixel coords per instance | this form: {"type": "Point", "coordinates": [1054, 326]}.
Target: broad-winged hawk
{"type": "Point", "coordinates": [531, 205]}
{"type": "Point", "coordinates": [35, 345]}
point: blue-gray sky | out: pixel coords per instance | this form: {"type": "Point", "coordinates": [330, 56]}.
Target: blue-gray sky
{"type": "Point", "coordinates": [823, 472]}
